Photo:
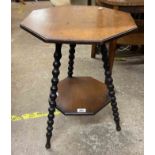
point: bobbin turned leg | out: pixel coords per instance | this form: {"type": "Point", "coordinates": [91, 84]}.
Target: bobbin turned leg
{"type": "Point", "coordinates": [109, 83]}
{"type": "Point", "coordinates": [53, 95]}
{"type": "Point", "coordinates": [71, 60]}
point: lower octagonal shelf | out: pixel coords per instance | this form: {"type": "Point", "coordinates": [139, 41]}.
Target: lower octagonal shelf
{"type": "Point", "coordinates": [81, 96]}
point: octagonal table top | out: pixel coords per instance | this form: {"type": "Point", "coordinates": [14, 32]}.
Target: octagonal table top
{"type": "Point", "coordinates": [80, 24]}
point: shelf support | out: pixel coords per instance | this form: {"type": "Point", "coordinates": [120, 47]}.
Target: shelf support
{"type": "Point", "coordinates": [71, 60]}
{"type": "Point", "coordinates": [109, 83]}
{"type": "Point", "coordinates": [53, 93]}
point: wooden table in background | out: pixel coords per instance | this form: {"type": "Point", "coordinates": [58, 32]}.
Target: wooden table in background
{"type": "Point", "coordinates": [136, 8]}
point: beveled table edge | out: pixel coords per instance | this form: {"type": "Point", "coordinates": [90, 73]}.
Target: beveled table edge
{"type": "Point", "coordinates": [47, 40]}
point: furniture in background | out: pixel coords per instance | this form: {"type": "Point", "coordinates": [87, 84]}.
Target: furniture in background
{"type": "Point", "coordinates": [21, 1]}
{"type": "Point", "coordinates": [62, 25]}
{"type": "Point", "coordinates": [136, 8]}
{"type": "Point", "coordinates": [89, 2]}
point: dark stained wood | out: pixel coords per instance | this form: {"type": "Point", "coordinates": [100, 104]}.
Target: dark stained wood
{"type": "Point", "coordinates": [81, 92]}
{"type": "Point", "coordinates": [93, 51]}
{"type": "Point", "coordinates": [89, 2]}
{"type": "Point", "coordinates": [71, 60]}
{"type": "Point", "coordinates": [110, 86]}
{"type": "Point", "coordinates": [53, 95]}
{"type": "Point", "coordinates": [80, 24]}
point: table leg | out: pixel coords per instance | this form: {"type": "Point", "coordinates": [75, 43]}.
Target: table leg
{"type": "Point", "coordinates": [71, 59]}
{"type": "Point", "coordinates": [93, 51]}
{"type": "Point", "coordinates": [112, 52]}
{"type": "Point", "coordinates": [89, 2]}
{"type": "Point", "coordinates": [53, 95]}
{"type": "Point", "coordinates": [109, 83]}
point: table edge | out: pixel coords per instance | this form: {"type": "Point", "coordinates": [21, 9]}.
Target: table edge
{"type": "Point", "coordinates": [48, 40]}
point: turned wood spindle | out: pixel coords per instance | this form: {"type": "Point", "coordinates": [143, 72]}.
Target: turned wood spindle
{"type": "Point", "coordinates": [53, 93]}
{"type": "Point", "coordinates": [109, 83]}
{"type": "Point", "coordinates": [71, 60]}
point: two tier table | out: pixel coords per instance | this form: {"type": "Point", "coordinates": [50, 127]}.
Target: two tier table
{"type": "Point", "coordinates": [78, 25]}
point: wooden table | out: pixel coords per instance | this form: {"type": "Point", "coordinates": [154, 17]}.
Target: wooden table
{"type": "Point", "coordinates": [124, 2]}
{"type": "Point", "coordinates": [124, 5]}
{"type": "Point", "coordinates": [78, 25]}
{"type": "Point", "coordinates": [136, 8]}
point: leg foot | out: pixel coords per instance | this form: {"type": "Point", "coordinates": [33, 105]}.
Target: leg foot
{"type": "Point", "coordinates": [48, 145]}
{"type": "Point", "coordinates": [93, 51]}
{"type": "Point", "coordinates": [118, 128]}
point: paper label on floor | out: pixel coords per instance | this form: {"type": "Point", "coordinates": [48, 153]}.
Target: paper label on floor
{"type": "Point", "coordinates": [81, 110]}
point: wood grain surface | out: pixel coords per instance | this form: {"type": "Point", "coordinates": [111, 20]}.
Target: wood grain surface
{"type": "Point", "coordinates": [80, 24]}
{"type": "Point", "coordinates": [81, 92]}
